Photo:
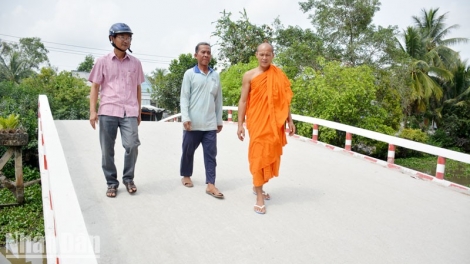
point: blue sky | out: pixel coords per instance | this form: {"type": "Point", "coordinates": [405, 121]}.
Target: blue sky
{"type": "Point", "coordinates": [163, 30]}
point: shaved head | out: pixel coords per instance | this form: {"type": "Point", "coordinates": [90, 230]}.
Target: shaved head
{"type": "Point", "coordinates": [264, 46]}
{"type": "Point", "coordinates": [264, 54]}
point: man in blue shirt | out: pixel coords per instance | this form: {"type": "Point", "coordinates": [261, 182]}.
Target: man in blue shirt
{"type": "Point", "coordinates": [201, 115]}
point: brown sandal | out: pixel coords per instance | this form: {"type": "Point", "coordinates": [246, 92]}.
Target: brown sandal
{"type": "Point", "coordinates": [130, 186]}
{"type": "Point", "coordinates": [215, 194]}
{"type": "Point", "coordinates": [112, 191]}
{"type": "Point", "coordinates": [186, 183]}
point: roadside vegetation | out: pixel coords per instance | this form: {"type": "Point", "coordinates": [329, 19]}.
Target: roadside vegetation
{"type": "Point", "coordinates": [455, 171]}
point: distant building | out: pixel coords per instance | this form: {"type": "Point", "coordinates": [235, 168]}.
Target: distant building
{"type": "Point", "coordinates": [146, 91]}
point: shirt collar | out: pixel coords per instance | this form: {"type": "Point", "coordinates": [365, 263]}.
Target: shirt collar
{"type": "Point", "coordinates": [196, 69]}
{"type": "Point", "coordinates": [113, 55]}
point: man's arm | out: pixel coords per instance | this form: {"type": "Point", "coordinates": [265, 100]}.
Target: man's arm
{"type": "Point", "coordinates": [139, 100]}
{"type": "Point", "coordinates": [242, 104]}
{"type": "Point", "coordinates": [290, 123]}
{"type": "Point", "coordinates": [184, 101]}
{"type": "Point", "coordinates": [218, 108]}
{"type": "Point", "coordinates": [93, 101]}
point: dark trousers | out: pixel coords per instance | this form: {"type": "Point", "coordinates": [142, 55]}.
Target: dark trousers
{"type": "Point", "coordinates": [191, 140]}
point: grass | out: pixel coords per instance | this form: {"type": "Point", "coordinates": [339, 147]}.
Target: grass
{"type": "Point", "coordinates": [455, 171]}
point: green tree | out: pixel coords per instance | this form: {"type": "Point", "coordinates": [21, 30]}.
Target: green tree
{"type": "Point", "coordinates": [157, 79]}
{"type": "Point", "coordinates": [68, 98]}
{"type": "Point", "coordinates": [347, 95]}
{"type": "Point", "coordinates": [18, 61]}
{"type": "Point", "coordinates": [346, 30]}
{"type": "Point", "coordinates": [432, 64]}
{"type": "Point", "coordinates": [454, 125]}
{"type": "Point", "coordinates": [423, 85]}
{"type": "Point", "coordinates": [296, 49]}
{"type": "Point", "coordinates": [157, 75]}
{"type": "Point", "coordinates": [454, 130]}
{"type": "Point", "coordinates": [67, 94]}
{"type": "Point", "coordinates": [457, 92]}
{"type": "Point", "coordinates": [238, 40]}
{"type": "Point", "coordinates": [87, 64]}
{"type": "Point", "coordinates": [231, 81]}
{"type": "Point", "coordinates": [19, 99]}
{"type": "Point", "coordinates": [433, 31]}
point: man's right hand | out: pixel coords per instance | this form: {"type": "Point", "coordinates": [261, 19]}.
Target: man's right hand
{"type": "Point", "coordinates": [187, 125]}
{"type": "Point", "coordinates": [241, 133]}
{"type": "Point", "coordinates": [93, 119]}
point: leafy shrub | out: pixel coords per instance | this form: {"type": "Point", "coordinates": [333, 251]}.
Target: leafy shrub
{"type": "Point", "coordinates": [15, 99]}
{"type": "Point", "coordinates": [9, 123]}
{"type": "Point", "coordinates": [454, 127]}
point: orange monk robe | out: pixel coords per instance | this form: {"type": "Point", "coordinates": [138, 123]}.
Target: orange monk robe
{"type": "Point", "coordinates": [266, 114]}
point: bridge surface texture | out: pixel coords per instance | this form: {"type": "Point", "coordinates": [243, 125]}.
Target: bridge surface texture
{"type": "Point", "coordinates": [326, 206]}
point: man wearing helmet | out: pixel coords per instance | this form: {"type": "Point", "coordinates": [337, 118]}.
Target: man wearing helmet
{"type": "Point", "coordinates": [117, 78]}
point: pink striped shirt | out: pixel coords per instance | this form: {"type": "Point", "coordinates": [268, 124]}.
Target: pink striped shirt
{"type": "Point", "coordinates": [118, 82]}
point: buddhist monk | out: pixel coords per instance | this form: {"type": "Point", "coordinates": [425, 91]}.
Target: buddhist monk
{"type": "Point", "coordinates": [265, 102]}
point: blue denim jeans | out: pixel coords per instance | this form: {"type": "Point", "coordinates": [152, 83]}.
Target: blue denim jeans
{"type": "Point", "coordinates": [191, 140]}
{"type": "Point", "coordinates": [130, 141]}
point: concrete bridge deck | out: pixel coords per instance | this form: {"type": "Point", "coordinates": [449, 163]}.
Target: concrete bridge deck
{"type": "Point", "coordinates": [326, 206]}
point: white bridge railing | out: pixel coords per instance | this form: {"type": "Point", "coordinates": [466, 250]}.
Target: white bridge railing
{"type": "Point", "coordinates": [67, 239]}
{"type": "Point", "coordinates": [441, 153]}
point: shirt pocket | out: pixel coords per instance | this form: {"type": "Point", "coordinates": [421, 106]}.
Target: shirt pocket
{"type": "Point", "coordinates": [111, 73]}
{"type": "Point", "coordinates": [214, 86]}
{"type": "Point", "coordinates": [131, 77]}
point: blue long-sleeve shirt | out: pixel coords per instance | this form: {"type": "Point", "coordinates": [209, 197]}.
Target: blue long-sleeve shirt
{"type": "Point", "coordinates": [201, 99]}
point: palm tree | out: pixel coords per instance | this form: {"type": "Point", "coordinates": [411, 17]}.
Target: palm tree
{"type": "Point", "coordinates": [457, 92]}
{"type": "Point", "coordinates": [431, 59]}
{"type": "Point", "coordinates": [18, 61]}
{"type": "Point", "coordinates": [157, 79]}
{"type": "Point", "coordinates": [433, 30]}
{"type": "Point", "coordinates": [422, 72]}
{"type": "Point", "coordinates": [12, 67]}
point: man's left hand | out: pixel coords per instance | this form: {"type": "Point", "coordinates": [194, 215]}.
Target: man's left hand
{"type": "Point", "coordinates": [291, 127]}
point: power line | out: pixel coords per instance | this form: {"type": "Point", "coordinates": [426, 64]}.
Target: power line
{"type": "Point", "coordinates": [82, 47]}
{"type": "Point", "coordinates": [101, 54]}
{"type": "Point", "coordinates": [79, 52]}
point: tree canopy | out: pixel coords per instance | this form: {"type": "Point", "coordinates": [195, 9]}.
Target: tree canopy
{"type": "Point", "coordinates": [239, 39]}
{"type": "Point", "coordinates": [87, 64]}
{"type": "Point", "coordinates": [20, 60]}
{"type": "Point", "coordinates": [346, 29]}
